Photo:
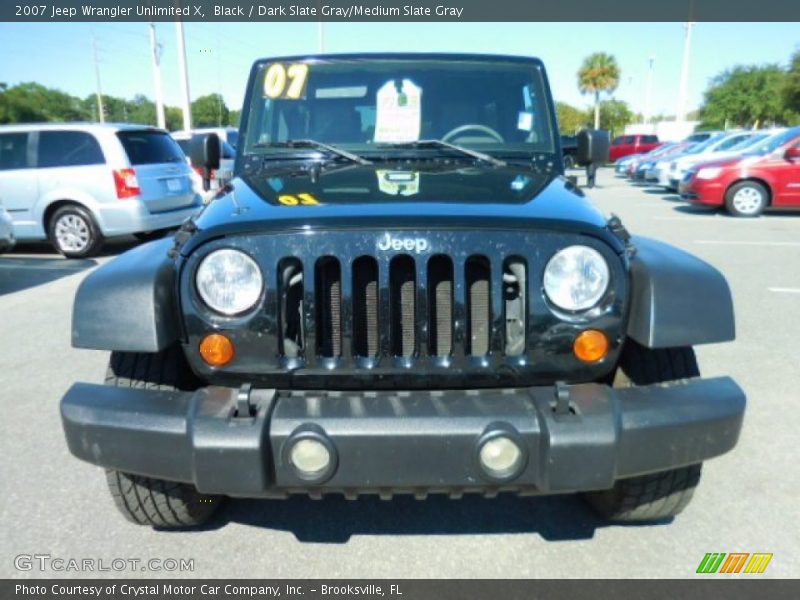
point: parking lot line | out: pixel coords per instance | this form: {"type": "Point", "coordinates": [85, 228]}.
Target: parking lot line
{"type": "Point", "coordinates": [781, 290]}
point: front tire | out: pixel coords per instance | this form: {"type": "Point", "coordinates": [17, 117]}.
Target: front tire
{"type": "Point", "coordinates": [746, 199]}
{"type": "Point", "coordinates": [144, 500]}
{"type": "Point", "coordinates": [659, 495]}
{"type": "Point", "coordinates": [74, 232]}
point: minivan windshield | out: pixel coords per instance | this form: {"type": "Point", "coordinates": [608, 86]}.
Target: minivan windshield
{"type": "Point", "coordinates": [774, 142]}
{"type": "Point", "coordinates": [368, 105]}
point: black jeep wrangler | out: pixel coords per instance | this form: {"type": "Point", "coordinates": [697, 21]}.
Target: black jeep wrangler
{"type": "Point", "coordinates": [399, 292]}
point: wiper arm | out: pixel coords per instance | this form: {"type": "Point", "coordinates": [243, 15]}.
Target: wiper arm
{"type": "Point", "coordinates": [442, 144]}
{"type": "Point", "coordinates": [316, 146]}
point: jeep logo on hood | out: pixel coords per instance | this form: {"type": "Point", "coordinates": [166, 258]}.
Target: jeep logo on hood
{"type": "Point", "coordinates": [409, 244]}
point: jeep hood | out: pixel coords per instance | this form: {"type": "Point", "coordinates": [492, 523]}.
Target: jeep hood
{"type": "Point", "coordinates": [378, 196]}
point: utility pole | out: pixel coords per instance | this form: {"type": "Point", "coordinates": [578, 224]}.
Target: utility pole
{"type": "Point", "coordinates": [320, 30]}
{"type": "Point", "coordinates": [184, 76]}
{"type": "Point", "coordinates": [99, 92]}
{"type": "Point", "coordinates": [156, 50]}
{"type": "Point", "coordinates": [680, 113]}
{"type": "Point", "coordinates": [648, 90]}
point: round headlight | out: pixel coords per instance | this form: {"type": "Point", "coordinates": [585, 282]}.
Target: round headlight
{"type": "Point", "coordinates": [576, 278]}
{"type": "Point", "coordinates": [229, 281]}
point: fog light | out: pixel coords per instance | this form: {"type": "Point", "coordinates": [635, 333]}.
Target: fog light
{"type": "Point", "coordinates": [500, 457]}
{"type": "Point", "coordinates": [216, 349]}
{"type": "Point", "coordinates": [310, 457]}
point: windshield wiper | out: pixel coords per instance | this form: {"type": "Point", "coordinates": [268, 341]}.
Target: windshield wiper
{"type": "Point", "coordinates": [305, 143]}
{"type": "Point", "coordinates": [442, 144]}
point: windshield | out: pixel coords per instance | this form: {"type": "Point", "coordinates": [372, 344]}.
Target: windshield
{"type": "Point", "coordinates": [362, 105]}
{"type": "Point", "coordinates": [747, 142]}
{"type": "Point", "coordinates": [702, 146]}
{"type": "Point", "coordinates": [773, 142]}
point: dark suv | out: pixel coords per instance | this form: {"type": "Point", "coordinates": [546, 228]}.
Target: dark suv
{"type": "Point", "coordinates": [399, 292]}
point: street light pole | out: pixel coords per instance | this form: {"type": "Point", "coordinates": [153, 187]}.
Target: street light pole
{"type": "Point", "coordinates": [648, 90]}
{"type": "Point", "coordinates": [680, 113]}
{"type": "Point", "coordinates": [99, 92]}
{"type": "Point", "coordinates": [156, 49]}
{"type": "Point", "coordinates": [184, 76]}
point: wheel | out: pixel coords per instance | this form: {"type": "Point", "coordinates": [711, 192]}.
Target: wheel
{"type": "Point", "coordinates": [657, 495]}
{"type": "Point", "coordinates": [569, 162]}
{"type": "Point", "coordinates": [746, 199]}
{"type": "Point", "coordinates": [144, 500]}
{"type": "Point", "coordinates": [74, 232]}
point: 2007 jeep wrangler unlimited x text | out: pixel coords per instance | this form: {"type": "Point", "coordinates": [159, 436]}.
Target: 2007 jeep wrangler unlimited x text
{"type": "Point", "coordinates": [401, 293]}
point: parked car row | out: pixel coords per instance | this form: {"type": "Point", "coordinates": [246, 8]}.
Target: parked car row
{"type": "Point", "coordinates": [743, 171]}
{"type": "Point", "coordinates": [76, 184]}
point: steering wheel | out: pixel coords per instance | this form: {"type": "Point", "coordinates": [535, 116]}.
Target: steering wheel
{"type": "Point", "coordinates": [454, 133]}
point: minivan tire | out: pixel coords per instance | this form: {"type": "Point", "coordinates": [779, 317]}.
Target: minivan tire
{"type": "Point", "coordinates": [74, 232]}
{"type": "Point", "coordinates": [746, 199]}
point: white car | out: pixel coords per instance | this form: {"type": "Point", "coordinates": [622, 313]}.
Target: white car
{"type": "Point", "coordinates": [79, 183]}
{"type": "Point", "coordinates": [662, 171]}
{"type": "Point", "coordinates": [226, 134]}
{"type": "Point", "coordinates": [7, 239]}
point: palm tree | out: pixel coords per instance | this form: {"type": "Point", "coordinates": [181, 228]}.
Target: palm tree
{"type": "Point", "coordinates": [598, 73]}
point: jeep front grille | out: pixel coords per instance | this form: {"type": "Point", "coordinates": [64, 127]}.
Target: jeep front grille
{"type": "Point", "coordinates": [411, 310]}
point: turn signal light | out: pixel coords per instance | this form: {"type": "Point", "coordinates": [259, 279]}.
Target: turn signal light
{"type": "Point", "coordinates": [590, 345]}
{"type": "Point", "coordinates": [216, 349]}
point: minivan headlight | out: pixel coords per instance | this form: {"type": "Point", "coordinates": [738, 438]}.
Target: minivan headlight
{"type": "Point", "coordinates": [576, 278]}
{"type": "Point", "coordinates": [708, 172]}
{"type": "Point", "coordinates": [229, 281]}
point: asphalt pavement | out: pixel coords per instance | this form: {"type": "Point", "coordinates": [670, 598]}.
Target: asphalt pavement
{"type": "Point", "coordinates": [748, 500]}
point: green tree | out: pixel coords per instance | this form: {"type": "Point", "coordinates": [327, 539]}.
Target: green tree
{"type": "Point", "coordinates": [598, 73]}
{"type": "Point", "coordinates": [210, 111]}
{"type": "Point", "coordinates": [790, 90]}
{"type": "Point", "coordinates": [174, 117]}
{"type": "Point", "coordinates": [142, 110]}
{"type": "Point", "coordinates": [33, 102]}
{"type": "Point", "coordinates": [570, 119]}
{"type": "Point", "coordinates": [745, 96]}
{"type": "Point", "coordinates": [234, 117]}
{"type": "Point", "coordinates": [615, 115]}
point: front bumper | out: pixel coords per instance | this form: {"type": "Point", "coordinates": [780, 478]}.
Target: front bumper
{"type": "Point", "coordinates": [402, 442]}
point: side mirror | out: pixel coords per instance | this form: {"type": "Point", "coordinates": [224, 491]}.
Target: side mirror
{"type": "Point", "coordinates": [205, 152]}
{"type": "Point", "coordinates": [593, 147]}
{"type": "Point", "coordinates": [792, 153]}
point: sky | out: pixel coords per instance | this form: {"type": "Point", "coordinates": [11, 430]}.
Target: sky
{"type": "Point", "coordinates": [220, 54]}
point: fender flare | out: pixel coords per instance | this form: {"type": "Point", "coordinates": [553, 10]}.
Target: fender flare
{"type": "Point", "coordinates": [129, 304]}
{"type": "Point", "coordinates": [676, 298]}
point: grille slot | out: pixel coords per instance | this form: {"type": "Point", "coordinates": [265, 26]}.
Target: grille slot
{"type": "Point", "coordinates": [440, 303]}
{"type": "Point", "coordinates": [515, 284]}
{"type": "Point", "coordinates": [478, 281]}
{"type": "Point", "coordinates": [328, 304]}
{"type": "Point", "coordinates": [402, 308]}
{"type": "Point", "coordinates": [365, 307]}
{"type": "Point", "coordinates": [290, 317]}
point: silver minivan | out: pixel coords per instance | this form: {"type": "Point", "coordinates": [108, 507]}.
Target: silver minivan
{"type": "Point", "coordinates": [79, 183]}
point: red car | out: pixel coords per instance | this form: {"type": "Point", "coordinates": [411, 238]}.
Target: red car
{"type": "Point", "coordinates": [631, 144]}
{"type": "Point", "coordinates": [767, 175]}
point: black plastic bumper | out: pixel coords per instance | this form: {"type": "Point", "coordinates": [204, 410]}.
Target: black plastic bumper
{"type": "Point", "coordinates": [395, 442]}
